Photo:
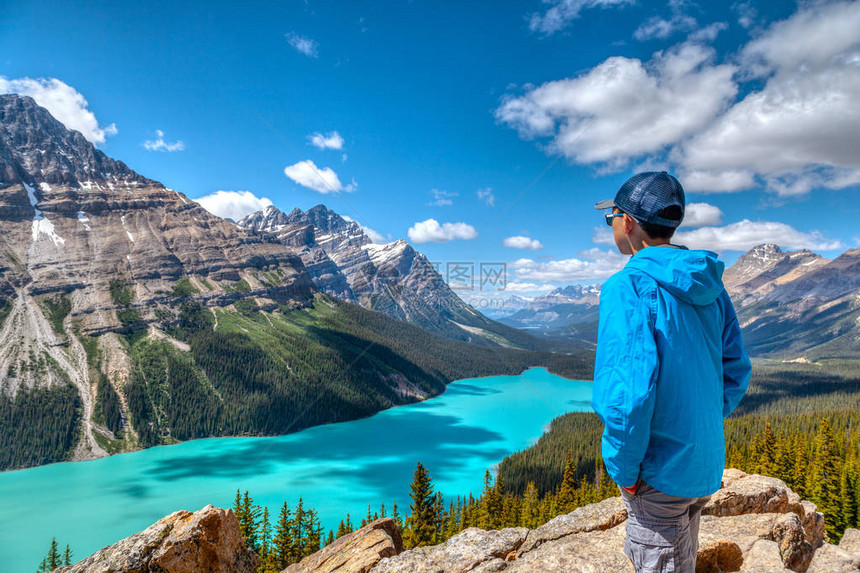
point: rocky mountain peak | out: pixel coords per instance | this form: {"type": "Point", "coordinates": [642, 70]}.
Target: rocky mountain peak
{"type": "Point", "coordinates": [575, 291]}
{"type": "Point", "coordinates": [37, 148]}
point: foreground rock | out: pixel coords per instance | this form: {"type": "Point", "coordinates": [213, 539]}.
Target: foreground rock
{"type": "Point", "coordinates": [358, 551]}
{"type": "Point", "coordinates": [753, 524]}
{"type": "Point", "coordinates": [206, 540]}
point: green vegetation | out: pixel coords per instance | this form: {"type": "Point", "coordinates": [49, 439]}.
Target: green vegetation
{"type": "Point", "coordinates": [263, 373]}
{"type": "Point", "coordinates": [295, 535]}
{"type": "Point", "coordinates": [183, 288]}
{"type": "Point", "coordinates": [38, 426]}
{"type": "Point", "coordinates": [120, 292]}
{"type": "Point", "coordinates": [54, 559]}
{"type": "Point", "coordinates": [5, 309]}
{"type": "Point", "coordinates": [108, 409]}
{"type": "Point", "coordinates": [57, 307]}
{"type": "Point", "coordinates": [240, 286]}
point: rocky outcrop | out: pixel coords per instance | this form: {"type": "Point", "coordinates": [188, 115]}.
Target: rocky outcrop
{"type": "Point", "coordinates": [753, 524]}
{"type": "Point", "coordinates": [356, 552]}
{"type": "Point", "coordinates": [182, 542]}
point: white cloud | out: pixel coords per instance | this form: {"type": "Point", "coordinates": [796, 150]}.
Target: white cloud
{"type": "Point", "coordinates": [802, 129]}
{"type": "Point", "coordinates": [662, 28]}
{"type": "Point", "coordinates": [234, 205]}
{"type": "Point", "coordinates": [332, 140]}
{"type": "Point", "coordinates": [442, 198]}
{"type": "Point", "coordinates": [563, 12]}
{"type": "Point", "coordinates": [701, 215]}
{"type": "Point", "coordinates": [431, 231]}
{"type": "Point", "coordinates": [64, 102]}
{"type": "Point", "coordinates": [718, 181]}
{"type": "Point", "coordinates": [747, 14]}
{"type": "Point", "coordinates": [320, 179]}
{"type": "Point", "coordinates": [160, 145]}
{"type": "Point", "coordinates": [797, 127]}
{"type": "Point", "coordinates": [527, 288]}
{"type": "Point", "coordinates": [593, 264]}
{"type": "Point", "coordinates": [746, 234]}
{"type": "Point", "coordinates": [625, 108]}
{"type": "Point", "coordinates": [486, 195]}
{"type": "Point", "coordinates": [520, 242]}
{"type": "Point", "coordinates": [708, 33]}
{"type": "Point", "coordinates": [811, 37]}
{"type": "Point", "coordinates": [302, 44]}
{"type": "Point", "coordinates": [602, 236]}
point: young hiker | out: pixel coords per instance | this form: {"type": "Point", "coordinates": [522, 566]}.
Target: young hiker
{"type": "Point", "coordinates": [670, 367]}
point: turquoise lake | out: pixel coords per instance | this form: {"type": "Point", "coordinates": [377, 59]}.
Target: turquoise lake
{"type": "Point", "coordinates": [337, 468]}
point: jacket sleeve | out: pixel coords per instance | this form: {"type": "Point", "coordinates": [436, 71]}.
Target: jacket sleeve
{"type": "Point", "coordinates": [625, 372]}
{"type": "Point", "coordinates": [736, 362]}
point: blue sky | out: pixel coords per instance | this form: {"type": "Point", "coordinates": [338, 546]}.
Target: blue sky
{"type": "Point", "coordinates": [480, 132]}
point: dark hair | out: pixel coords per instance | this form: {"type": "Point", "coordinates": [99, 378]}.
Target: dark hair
{"type": "Point", "coordinates": [672, 212]}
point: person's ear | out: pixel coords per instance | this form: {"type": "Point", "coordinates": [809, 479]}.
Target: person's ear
{"type": "Point", "coordinates": [629, 223]}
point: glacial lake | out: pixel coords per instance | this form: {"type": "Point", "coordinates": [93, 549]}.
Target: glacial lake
{"type": "Point", "coordinates": [336, 468]}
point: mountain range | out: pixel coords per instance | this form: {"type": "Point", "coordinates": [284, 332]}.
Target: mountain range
{"type": "Point", "coordinates": [130, 316]}
{"type": "Point", "coordinates": [567, 313]}
{"type": "Point", "coordinates": [391, 278]}
{"type": "Point", "coordinates": [790, 304]}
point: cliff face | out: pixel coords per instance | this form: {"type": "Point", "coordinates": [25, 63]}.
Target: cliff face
{"type": "Point", "coordinates": [753, 524]}
{"type": "Point", "coordinates": [88, 246]}
{"type": "Point", "coordinates": [391, 278]}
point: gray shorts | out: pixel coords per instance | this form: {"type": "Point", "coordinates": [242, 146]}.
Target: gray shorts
{"type": "Point", "coordinates": [662, 530]}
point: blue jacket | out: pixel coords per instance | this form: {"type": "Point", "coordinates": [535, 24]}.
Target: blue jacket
{"type": "Point", "coordinates": [670, 366]}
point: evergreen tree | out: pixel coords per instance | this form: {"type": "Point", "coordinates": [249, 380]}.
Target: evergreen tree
{"type": "Point", "coordinates": [53, 559]}
{"type": "Point", "coordinates": [421, 523]}
{"type": "Point", "coordinates": [766, 447]}
{"type": "Point", "coordinates": [265, 535]}
{"type": "Point", "coordinates": [282, 543]}
{"type": "Point", "coordinates": [530, 514]}
{"type": "Point", "coordinates": [441, 518]}
{"type": "Point", "coordinates": [298, 532]}
{"type": "Point", "coordinates": [566, 498]}
{"type": "Point", "coordinates": [823, 484]}
{"type": "Point", "coordinates": [848, 495]}
{"type": "Point", "coordinates": [396, 516]}
{"type": "Point", "coordinates": [313, 533]}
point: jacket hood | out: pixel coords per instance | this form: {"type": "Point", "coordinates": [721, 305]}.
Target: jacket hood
{"type": "Point", "coordinates": [692, 276]}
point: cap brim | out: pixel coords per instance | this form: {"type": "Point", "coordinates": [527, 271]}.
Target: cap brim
{"type": "Point", "coordinates": [605, 204]}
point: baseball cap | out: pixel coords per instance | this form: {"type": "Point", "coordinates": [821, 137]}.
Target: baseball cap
{"type": "Point", "coordinates": [645, 195]}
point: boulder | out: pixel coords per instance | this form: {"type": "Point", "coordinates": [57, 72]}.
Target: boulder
{"type": "Point", "coordinates": [813, 523]}
{"type": "Point", "coordinates": [595, 551]}
{"type": "Point", "coordinates": [752, 493]}
{"type": "Point", "coordinates": [831, 559]}
{"type": "Point", "coordinates": [356, 552]}
{"type": "Point", "coordinates": [763, 557]}
{"type": "Point", "coordinates": [182, 542]}
{"type": "Point", "coordinates": [596, 516]}
{"type": "Point", "coordinates": [466, 551]}
{"type": "Point", "coordinates": [851, 541]}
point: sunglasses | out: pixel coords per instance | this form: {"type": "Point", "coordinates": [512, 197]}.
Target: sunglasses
{"type": "Point", "coordinates": [611, 216]}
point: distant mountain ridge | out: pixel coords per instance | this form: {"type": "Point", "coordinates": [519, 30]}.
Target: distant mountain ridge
{"type": "Point", "coordinates": [797, 302]}
{"type": "Point", "coordinates": [130, 316]}
{"type": "Point", "coordinates": [391, 278]}
{"type": "Point", "coordinates": [789, 304]}
{"type": "Point", "coordinates": [566, 313]}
